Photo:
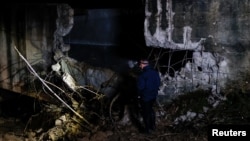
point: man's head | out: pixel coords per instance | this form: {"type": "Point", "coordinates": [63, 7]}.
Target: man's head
{"type": "Point", "coordinates": [143, 63]}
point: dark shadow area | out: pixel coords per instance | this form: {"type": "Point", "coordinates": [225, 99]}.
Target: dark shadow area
{"type": "Point", "coordinates": [14, 105]}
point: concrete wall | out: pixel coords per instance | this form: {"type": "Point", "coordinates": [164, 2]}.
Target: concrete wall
{"type": "Point", "coordinates": [29, 28]}
{"type": "Point", "coordinates": [216, 31]}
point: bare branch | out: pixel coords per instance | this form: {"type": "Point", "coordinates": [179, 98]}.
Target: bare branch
{"type": "Point", "coordinates": [45, 84]}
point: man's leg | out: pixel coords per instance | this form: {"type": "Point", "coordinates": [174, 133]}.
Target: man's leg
{"type": "Point", "coordinates": [146, 115]}
{"type": "Point", "coordinates": [152, 116]}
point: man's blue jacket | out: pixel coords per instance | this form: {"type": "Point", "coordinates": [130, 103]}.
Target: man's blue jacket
{"type": "Point", "coordinates": [148, 83]}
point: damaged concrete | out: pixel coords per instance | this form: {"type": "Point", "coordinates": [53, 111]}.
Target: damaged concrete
{"type": "Point", "coordinates": [207, 29]}
{"type": "Point", "coordinates": [216, 33]}
{"type": "Point", "coordinates": [210, 29]}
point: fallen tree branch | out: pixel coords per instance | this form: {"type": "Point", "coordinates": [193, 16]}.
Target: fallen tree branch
{"type": "Point", "coordinates": [44, 83]}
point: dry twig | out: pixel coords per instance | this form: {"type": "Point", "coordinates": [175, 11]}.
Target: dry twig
{"type": "Point", "coordinates": [45, 84]}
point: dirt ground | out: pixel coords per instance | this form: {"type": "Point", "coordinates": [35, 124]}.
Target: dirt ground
{"type": "Point", "coordinates": [46, 126]}
{"type": "Point", "coordinates": [13, 129]}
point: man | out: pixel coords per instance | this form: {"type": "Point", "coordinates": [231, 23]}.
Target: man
{"type": "Point", "coordinates": [148, 84]}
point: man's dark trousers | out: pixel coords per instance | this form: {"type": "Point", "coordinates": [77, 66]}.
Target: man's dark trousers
{"type": "Point", "coordinates": [148, 115]}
